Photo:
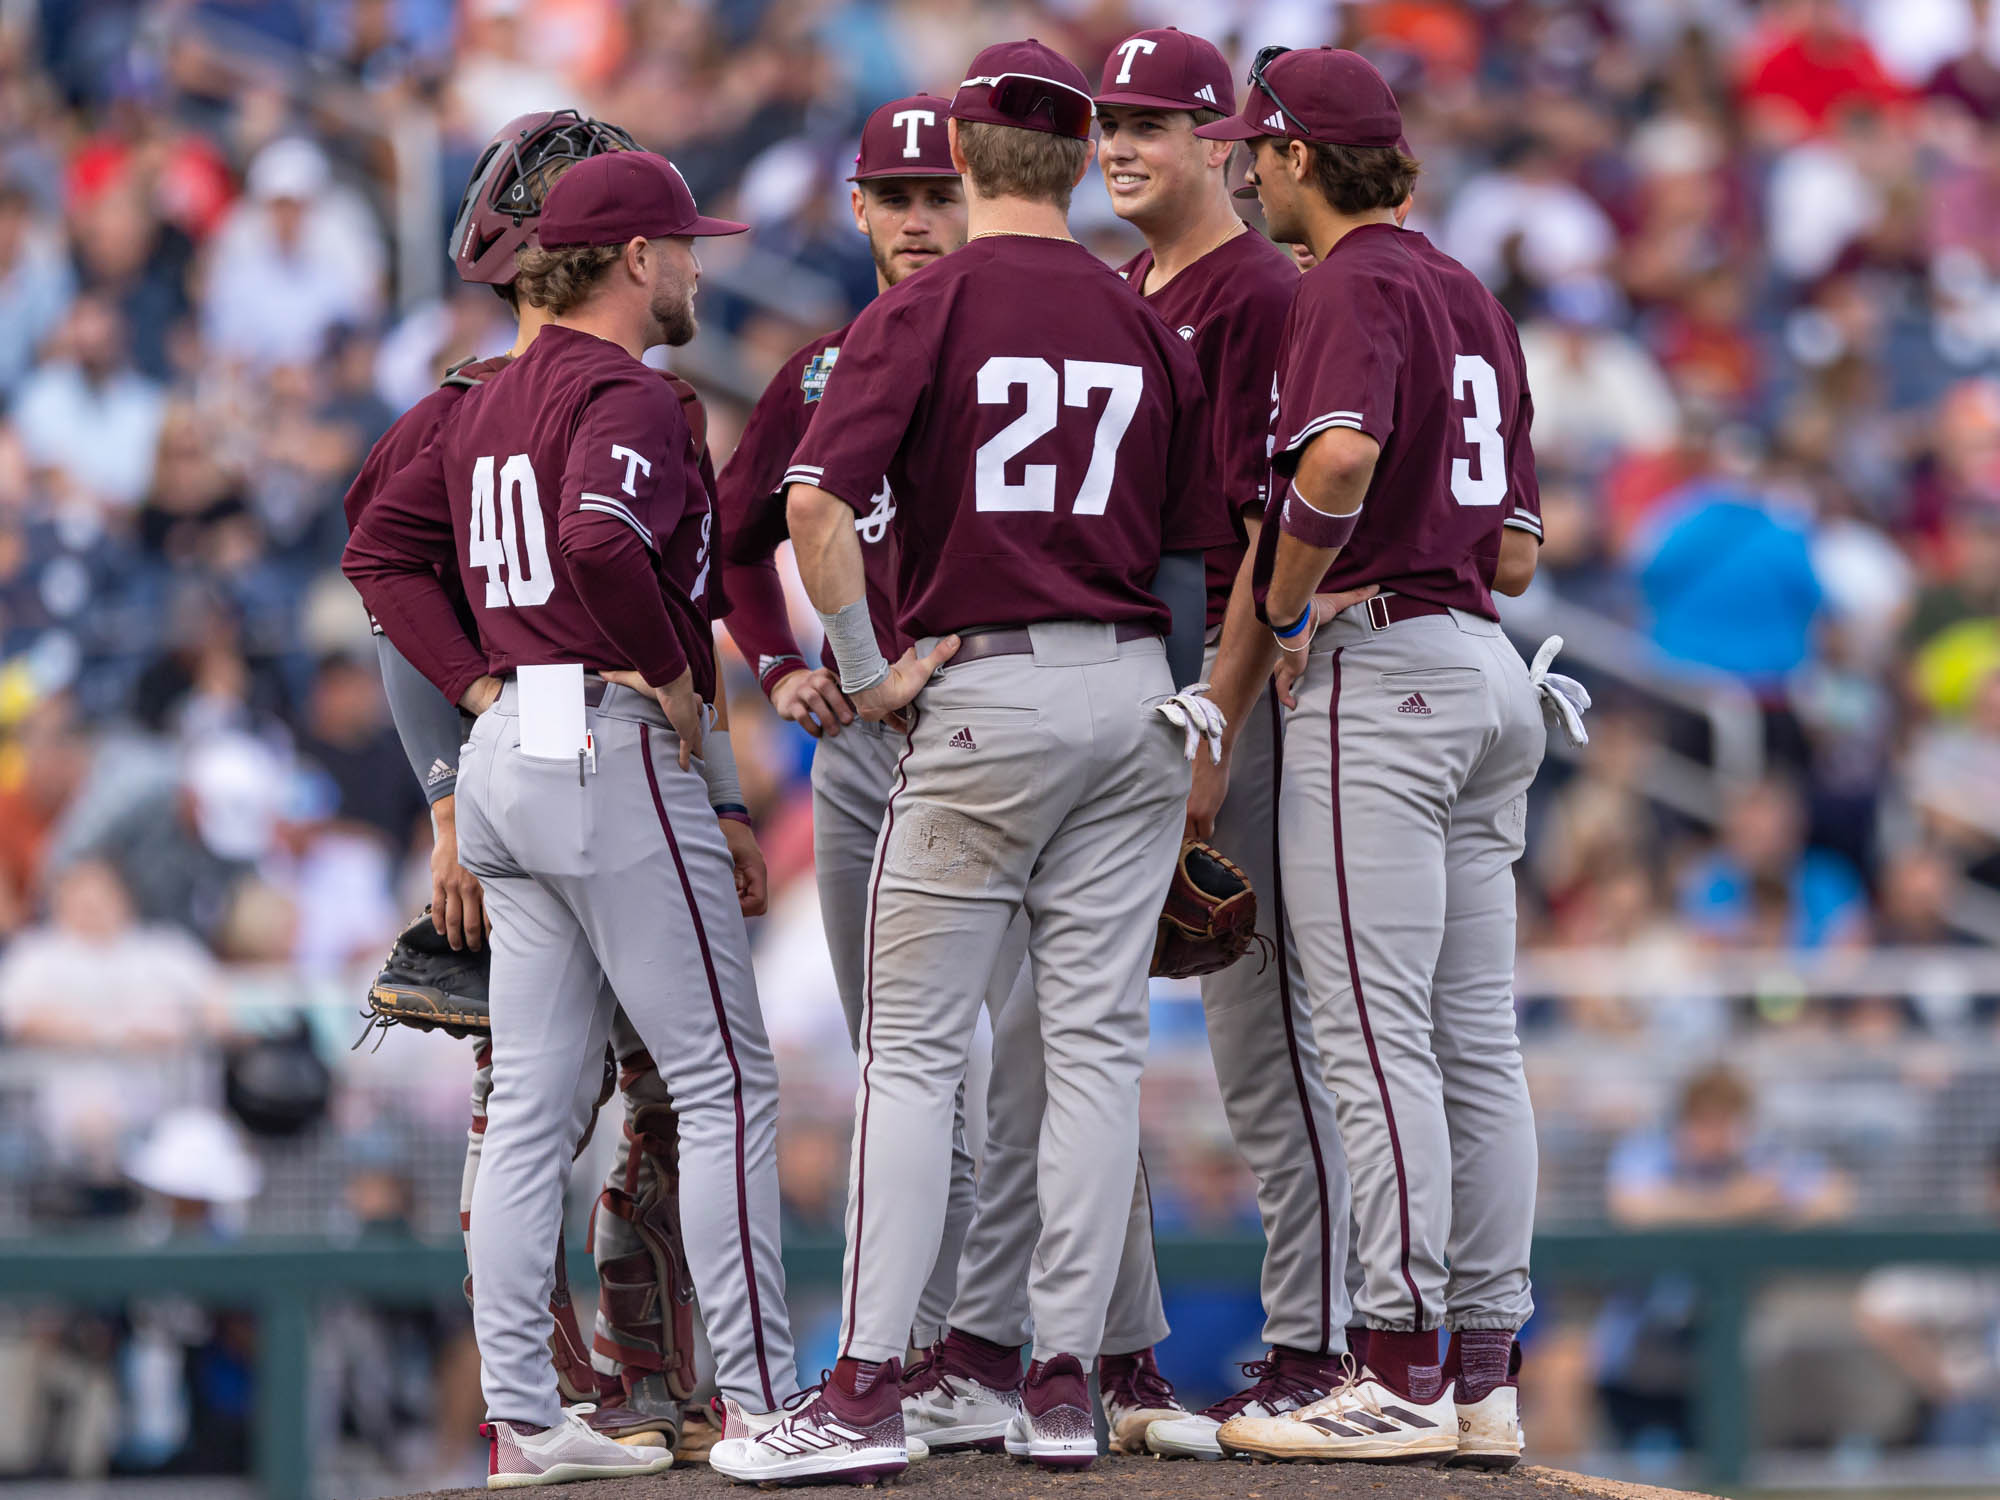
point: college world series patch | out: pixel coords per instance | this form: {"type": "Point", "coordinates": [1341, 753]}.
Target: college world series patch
{"type": "Point", "coordinates": [813, 380]}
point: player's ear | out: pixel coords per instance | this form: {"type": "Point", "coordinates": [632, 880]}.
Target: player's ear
{"type": "Point", "coordinates": [859, 202]}
{"type": "Point", "coordinates": [1089, 156]}
{"type": "Point", "coordinates": [957, 156]}
{"type": "Point", "coordinates": [638, 257]}
{"type": "Point", "coordinates": [1217, 153]}
{"type": "Point", "coordinates": [1299, 156]}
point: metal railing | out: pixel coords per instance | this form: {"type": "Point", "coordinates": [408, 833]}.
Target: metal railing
{"type": "Point", "coordinates": [285, 1283]}
{"type": "Point", "coordinates": [1608, 648]}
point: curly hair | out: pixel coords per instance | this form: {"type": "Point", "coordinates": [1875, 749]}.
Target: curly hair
{"type": "Point", "coordinates": [560, 279]}
{"type": "Point", "coordinates": [1356, 179]}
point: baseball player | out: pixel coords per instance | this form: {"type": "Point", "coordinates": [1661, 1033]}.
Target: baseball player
{"type": "Point", "coordinates": [1225, 290]}
{"type": "Point", "coordinates": [1401, 460]}
{"type": "Point", "coordinates": [1054, 495]}
{"type": "Point", "coordinates": [639, 1368]}
{"type": "Point", "coordinates": [570, 481]}
{"type": "Point", "coordinates": [959, 1390]}
{"type": "Point", "coordinates": [906, 199]}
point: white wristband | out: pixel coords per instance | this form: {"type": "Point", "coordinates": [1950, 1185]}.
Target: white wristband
{"type": "Point", "coordinates": [718, 770]}
{"type": "Point", "coordinates": [852, 635]}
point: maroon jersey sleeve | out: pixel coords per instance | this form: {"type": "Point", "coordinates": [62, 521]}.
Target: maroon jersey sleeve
{"type": "Point", "coordinates": [1524, 490]}
{"type": "Point", "coordinates": [883, 374]}
{"type": "Point", "coordinates": [1344, 354]}
{"type": "Point", "coordinates": [624, 486]}
{"type": "Point", "coordinates": [403, 441]}
{"type": "Point", "coordinates": [392, 559]}
{"type": "Point", "coordinates": [750, 497]}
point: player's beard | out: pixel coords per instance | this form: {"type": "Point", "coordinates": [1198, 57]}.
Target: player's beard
{"type": "Point", "coordinates": [673, 310]}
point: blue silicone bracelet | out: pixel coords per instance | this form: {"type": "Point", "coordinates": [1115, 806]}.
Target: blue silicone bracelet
{"type": "Point", "coordinates": [1297, 627]}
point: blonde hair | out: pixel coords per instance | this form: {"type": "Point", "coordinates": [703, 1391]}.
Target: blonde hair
{"type": "Point", "coordinates": [1005, 161]}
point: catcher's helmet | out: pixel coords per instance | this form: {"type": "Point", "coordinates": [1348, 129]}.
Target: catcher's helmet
{"type": "Point", "coordinates": [496, 215]}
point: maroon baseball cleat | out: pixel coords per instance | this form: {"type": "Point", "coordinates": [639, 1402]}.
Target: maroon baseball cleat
{"type": "Point", "coordinates": [1054, 1427]}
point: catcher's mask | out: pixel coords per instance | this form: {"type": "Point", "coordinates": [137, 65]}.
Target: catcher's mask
{"type": "Point", "coordinates": [497, 213]}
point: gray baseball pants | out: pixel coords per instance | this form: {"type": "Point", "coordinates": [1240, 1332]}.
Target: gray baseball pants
{"type": "Point", "coordinates": [614, 887]}
{"type": "Point", "coordinates": [1273, 1093]}
{"type": "Point", "coordinates": [992, 1299]}
{"type": "Point", "coordinates": [1406, 771]}
{"type": "Point", "coordinates": [1042, 782]}
{"type": "Point", "coordinates": [852, 774]}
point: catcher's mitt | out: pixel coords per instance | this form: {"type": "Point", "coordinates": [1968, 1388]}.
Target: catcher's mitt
{"type": "Point", "coordinates": [1210, 919]}
{"type": "Point", "coordinates": [428, 985]}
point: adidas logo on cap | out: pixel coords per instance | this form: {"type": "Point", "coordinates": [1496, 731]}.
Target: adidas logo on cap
{"type": "Point", "coordinates": [963, 740]}
{"type": "Point", "coordinates": [1206, 92]}
{"type": "Point", "coordinates": [1275, 123]}
{"type": "Point", "coordinates": [1414, 704]}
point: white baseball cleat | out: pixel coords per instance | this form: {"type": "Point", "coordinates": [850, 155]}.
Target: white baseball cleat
{"type": "Point", "coordinates": [1489, 1430]}
{"type": "Point", "coordinates": [570, 1450]}
{"type": "Point", "coordinates": [815, 1443]}
{"type": "Point", "coordinates": [1284, 1382]}
{"type": "Point", "coordinates": [1135, 1395]}
{"type": "Point", "coordinates": [944, 1407]}
{"type": "Point", "coordinates": [1364, 1419]}
{"type": "Point", "coordinates": [1054, 1428]}
{"type": "Point", "coordinates": [735, 1422]}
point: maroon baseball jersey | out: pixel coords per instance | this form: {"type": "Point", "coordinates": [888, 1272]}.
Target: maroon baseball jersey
{"type": "Point", "coordinates": [1230, 307]}
{"type": "Point", "coordinates": [1045, 434]}
{"type": "Point", "coordinates": [751, 501]}
{"type": "Point", "coordinates": [1392, 337]}
{"type": "Point", "coordinates": [569, 495]}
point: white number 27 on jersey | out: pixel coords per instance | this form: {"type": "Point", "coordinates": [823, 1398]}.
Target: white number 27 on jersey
{"type": "Point", "coordinates": [1037, 378]}
{"type": "Point", "coordinates": [507, 531]}
{"type": "Point", "coordinates": [1472, 379]}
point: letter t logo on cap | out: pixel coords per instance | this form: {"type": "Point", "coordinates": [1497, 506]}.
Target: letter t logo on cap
{"type": "Point", "coordinates": [1130, 49]}
{"type": "Point", "coordinates": [910, 119]}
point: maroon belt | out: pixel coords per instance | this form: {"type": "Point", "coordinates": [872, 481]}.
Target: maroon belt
{"type": "Point", "coordinates": [979, 644]}
{"type": "Point", "coordinates": [1384, 610]}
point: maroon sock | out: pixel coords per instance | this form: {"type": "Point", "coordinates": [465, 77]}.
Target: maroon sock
{"type": "Point", "coordinates": [995, 1366]}
{"type": "Point", "coordinates": [1407, 1363]}
{"type": "Point", "coordinates": [1482, 1359]}
{"type": "Point", "coordinates": [864, 1391]}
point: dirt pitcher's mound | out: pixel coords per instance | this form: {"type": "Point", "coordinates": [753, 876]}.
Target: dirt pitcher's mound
{"type": "Point", "coordinates": [980, 1478]}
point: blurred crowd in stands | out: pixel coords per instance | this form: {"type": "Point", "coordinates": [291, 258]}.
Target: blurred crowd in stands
{"type": "Point", "coordinates": [1754, 251]}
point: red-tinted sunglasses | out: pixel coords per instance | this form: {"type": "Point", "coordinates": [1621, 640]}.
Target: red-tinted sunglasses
{"type": "Point", "coordinates": [1024, 95]}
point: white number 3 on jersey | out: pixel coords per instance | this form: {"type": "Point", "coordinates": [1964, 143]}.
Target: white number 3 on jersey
{"type": "Point", "coordinates": [1472, 380]}
{"type": "Point", "coordinates": [501, 542]}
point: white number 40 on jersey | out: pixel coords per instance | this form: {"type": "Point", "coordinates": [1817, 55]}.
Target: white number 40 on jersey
{"type": "Point", "coordinates": [500, 542]}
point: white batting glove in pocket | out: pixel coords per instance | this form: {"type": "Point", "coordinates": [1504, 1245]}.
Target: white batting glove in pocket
{"type": "Point", "coordinates": [1191, 711]}
{"type": "Point", "coordinates": [1564, 699]}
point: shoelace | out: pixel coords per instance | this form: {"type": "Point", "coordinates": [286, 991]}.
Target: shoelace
{"type": "Point", "coordinates": [1348, 1390]}
{"type": "Point", "coordinates": [927, 1374]}
{"type": "Point", "coordinates": [1274, 1384]}
{"type": "Point", "coordinates": [799, 1404]}
{"type": "Point", "coordinates": [1147, 1387]}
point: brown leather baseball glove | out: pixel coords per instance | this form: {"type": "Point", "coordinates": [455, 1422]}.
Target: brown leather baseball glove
{"type": "Point", "coordinates": [1210, 919]}
{"type": "Point", "coordinates": [429, 985]}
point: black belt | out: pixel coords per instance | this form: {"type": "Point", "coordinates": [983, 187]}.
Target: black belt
{"type": "Point", "coordinates": [1384, 610]}
{"type": "Point", "coordinates": [978, 645]}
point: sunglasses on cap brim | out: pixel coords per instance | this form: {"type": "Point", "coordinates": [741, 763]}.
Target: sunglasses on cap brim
{"type": "Point", "coordinates": [1263, 61]}
{"type": "Point", "coordinates": [1022, 96]}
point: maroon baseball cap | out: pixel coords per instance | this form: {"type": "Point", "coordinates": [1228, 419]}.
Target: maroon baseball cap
{"type": "Point", "coordinates": [1026, 85]}
{"type": "Point", "coordinates": [906, 138]}
{"type": "Point", "coordinates": [609, 199]}
{"type": "Point", "coordinates": [1321, 94]}
{"type": "Point", "coordinates": [1167, 69]}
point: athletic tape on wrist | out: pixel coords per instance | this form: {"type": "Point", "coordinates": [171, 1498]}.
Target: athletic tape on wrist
{"type": "Point", "coordinates": [852, 636]}
{"type": "Point", "coordinates": [718, 770]}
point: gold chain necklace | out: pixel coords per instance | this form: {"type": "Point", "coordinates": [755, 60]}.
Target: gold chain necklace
{"type": "Point", "coordinates": [1025, 234]}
